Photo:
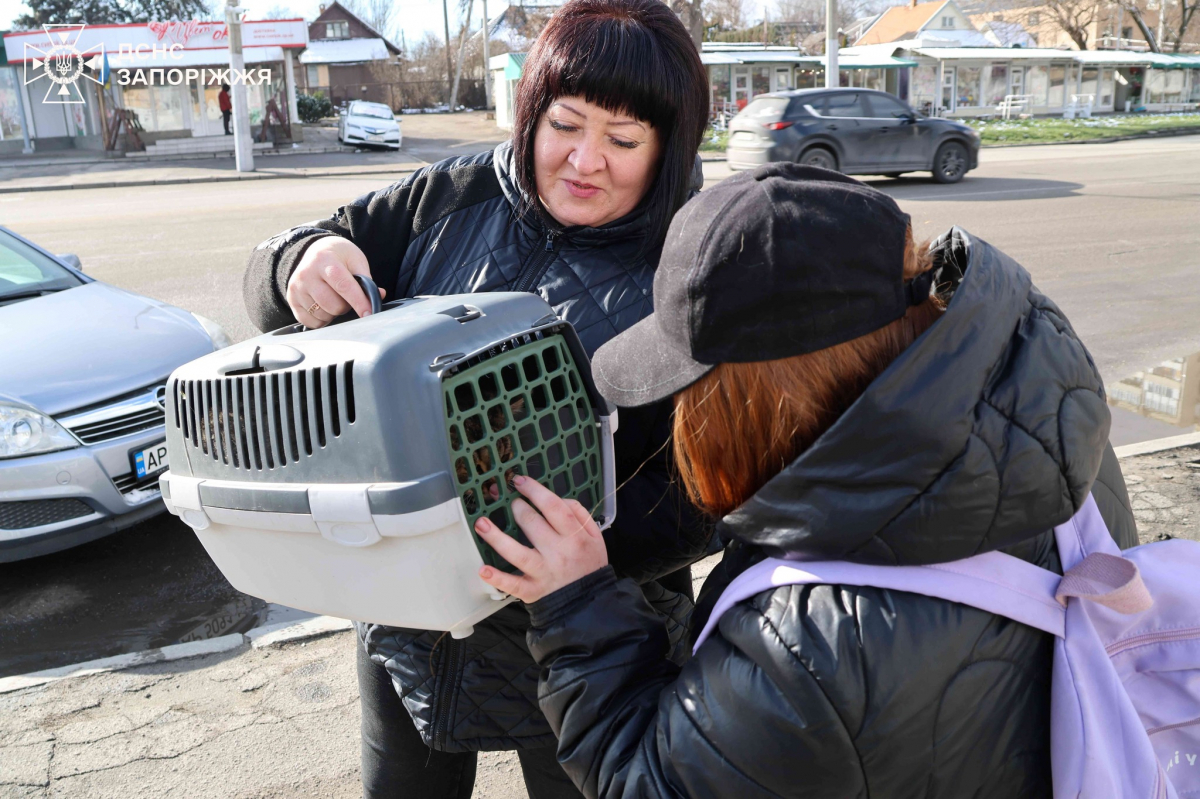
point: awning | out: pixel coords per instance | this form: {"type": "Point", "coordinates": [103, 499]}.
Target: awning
{"type": "Point", "coordinates": [872, 62]}
{"type": "Point", "coordinates": [344, 51]}
{"type": "Point", "coordinates": [996, 53]}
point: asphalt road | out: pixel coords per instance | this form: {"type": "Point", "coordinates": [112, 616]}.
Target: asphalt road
{"type": "Point", "coordinates": [1109, 231]}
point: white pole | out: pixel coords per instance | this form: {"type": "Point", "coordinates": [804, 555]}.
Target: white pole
{"type": "Point", "coordinates": [487, 75]}
{"type": "Point", "coordinates": [243, 147]}
{"type": "Point", "coordinates": [289, 77]}
{"type": "Point", "coordinates": [831, 45]}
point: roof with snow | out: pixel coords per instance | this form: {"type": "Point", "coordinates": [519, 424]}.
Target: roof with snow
{"type": "Point", "coordinates": [344, 51]}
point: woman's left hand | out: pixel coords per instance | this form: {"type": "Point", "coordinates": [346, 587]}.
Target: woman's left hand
{"type": "Point", "coordinates": [568, 544]}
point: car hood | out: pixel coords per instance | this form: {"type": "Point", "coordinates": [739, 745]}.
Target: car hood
{"type": "Point", "coordinates": [86, 344]}
{"type": "Point", "coordinates": [373, 122]}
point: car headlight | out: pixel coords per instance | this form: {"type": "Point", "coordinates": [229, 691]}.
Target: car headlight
{"type": "Point", "coordinates": [220, 339]}
{"type": "Point", "coordinates": [24, 431]}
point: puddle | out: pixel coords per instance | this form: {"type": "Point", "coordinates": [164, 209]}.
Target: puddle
{"type": "Point", "coordinates": [242, 614]}
{"type": "Point", "coordinates": [1161, 401]}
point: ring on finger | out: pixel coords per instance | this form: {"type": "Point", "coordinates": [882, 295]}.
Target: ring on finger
{"type": "Point", "coordinates": [312, 309]}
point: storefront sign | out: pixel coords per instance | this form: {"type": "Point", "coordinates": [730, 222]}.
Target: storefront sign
{"type": "Point", "coordinates": [151, 37]}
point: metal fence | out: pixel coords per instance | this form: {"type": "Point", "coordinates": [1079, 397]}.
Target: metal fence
{"type": "Point", "coordinates": [411, 94]}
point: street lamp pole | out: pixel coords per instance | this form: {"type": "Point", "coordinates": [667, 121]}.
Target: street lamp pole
{"type": "Point", "coordinates": [243, 147]}
{"type": "Point", "coordinates": [831, 45]}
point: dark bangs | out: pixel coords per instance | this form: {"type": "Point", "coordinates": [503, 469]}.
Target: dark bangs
{"type": "Point", "coordinates": [626, 56]}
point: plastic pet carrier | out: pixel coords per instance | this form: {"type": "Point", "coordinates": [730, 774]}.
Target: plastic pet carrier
{"type": "Point", "coordinates": [341, 470]}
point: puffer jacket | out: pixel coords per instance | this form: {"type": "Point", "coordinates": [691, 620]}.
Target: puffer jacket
{"type": "Point", "coordinates": [453, 227]}
{"type": "Point", "coordinates": [983, 435]}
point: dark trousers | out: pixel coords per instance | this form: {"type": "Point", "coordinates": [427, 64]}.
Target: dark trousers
{"type": "Point", "coordinates": [225, 115]}
{"type": "Point", "coordinates": [396, 763]}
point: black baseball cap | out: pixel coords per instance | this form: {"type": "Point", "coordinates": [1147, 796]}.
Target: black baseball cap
{"type": "Point", "coordinates": [775, 262]}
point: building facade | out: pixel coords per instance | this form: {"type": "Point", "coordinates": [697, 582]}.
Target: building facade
{"type": "Point", "coordinates": [347, 59]}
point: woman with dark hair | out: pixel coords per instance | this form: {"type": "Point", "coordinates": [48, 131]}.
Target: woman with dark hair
{"type": "Point", "coordinates": [840, 394]}
{"type": "Point", "coordinates": [609, 115]}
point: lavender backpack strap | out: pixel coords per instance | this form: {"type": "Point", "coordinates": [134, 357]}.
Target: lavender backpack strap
{"type": "Point", "coordinates": [993, 581]}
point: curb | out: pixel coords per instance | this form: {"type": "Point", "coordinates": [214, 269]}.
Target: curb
{"type": "Point", "coordinates": [1158, 445]}
{"type": "Point", "coordinates": [121, 184]}
{"type": "Point", "coordinates": [258, 638]}
{"type": "Point", "coordinates": [1151, 134]}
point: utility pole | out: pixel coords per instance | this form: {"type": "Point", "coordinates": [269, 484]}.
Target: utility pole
{"type": "Point", "coordinates": [243, 147]}
{"type": "Point", "coordinates": [449, 68]}
{"type": "Point", "coordinates": [487, 75]}
{"type": "Point", "coordinates": [831, 45]}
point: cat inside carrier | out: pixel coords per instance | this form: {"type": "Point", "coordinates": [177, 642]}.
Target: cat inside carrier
{"type": "Point", "coordinates": [341, 470]}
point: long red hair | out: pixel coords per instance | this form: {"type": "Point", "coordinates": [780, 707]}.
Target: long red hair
{"type": "Point", "coordinates": [742, 423]}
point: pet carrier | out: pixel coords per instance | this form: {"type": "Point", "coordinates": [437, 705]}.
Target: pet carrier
{"type": "Point", "coordinates": [341, 470]}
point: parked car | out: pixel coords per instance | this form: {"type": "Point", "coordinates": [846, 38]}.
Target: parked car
{"type": "Point", "coordinates": [83, 399]}
{"type": "Point", "coordinates": [369, 123]}
{"type": "Point", "coordinates": [856, 131]}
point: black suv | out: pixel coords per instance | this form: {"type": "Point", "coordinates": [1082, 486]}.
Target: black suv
{"type": "Point", "coordinates": [856, 131]}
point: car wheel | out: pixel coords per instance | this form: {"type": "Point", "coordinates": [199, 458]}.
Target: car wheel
{"type": "Point", "coordinates": [950, 163]}
{"type": "Point", "coordinates": [819, 157]}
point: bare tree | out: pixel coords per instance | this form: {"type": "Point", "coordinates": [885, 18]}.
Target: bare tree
{"type": "Point", "coordinates": [379, 14]}
{"type": "Point", "coordinates": [727, 15]}
{"type": "Point", "coordinates": [691, 13]}
{"type": "Point", "coordinates": [1148, 34]}
{"type": "Point", "coordinates": [1179, 27]}
{"type": "Point", "coordinates": [1074, 17]}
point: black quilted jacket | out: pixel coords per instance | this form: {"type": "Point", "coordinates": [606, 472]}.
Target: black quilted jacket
{"type": "Point", "coordinates": [984, 434]}
{"type": "Point", "coordinates": [453, 228]}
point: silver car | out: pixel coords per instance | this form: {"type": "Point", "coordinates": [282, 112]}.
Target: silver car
{"type": "Point", "coordinates": [82, 399]}
{"type": "Point", "coordinates": [369, 123]}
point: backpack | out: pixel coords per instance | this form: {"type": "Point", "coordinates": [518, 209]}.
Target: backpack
{"type": "Point", "coordinates": [1125, 692]}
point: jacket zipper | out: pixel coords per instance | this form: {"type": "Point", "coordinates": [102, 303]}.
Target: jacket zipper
{"type": "Point", "coordinates": [1151, 638]}
{"type": "Point", "coordinates": [445, 697]}
{"type": "Point", "coordinates": [535, 268]}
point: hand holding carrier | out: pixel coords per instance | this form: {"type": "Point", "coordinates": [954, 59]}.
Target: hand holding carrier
{"type": "Point", "coordinates": [341, 470]}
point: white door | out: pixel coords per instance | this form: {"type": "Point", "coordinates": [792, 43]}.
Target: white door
{"type": "Point", "coordinates": [781, 79]}
{"type": "Point", "coordinates": [949, 95]}
{"type": "Point", "coordinates": [741, 84]}
{"type": "Point", "coordinates": [1018, 80]}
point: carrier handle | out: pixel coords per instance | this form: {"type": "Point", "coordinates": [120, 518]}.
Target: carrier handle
{"type": "Point", "coordinates": [372, 292]}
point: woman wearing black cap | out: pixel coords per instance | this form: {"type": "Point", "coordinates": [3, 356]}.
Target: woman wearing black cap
{"type": "Point", "coordinates": [830, 405]}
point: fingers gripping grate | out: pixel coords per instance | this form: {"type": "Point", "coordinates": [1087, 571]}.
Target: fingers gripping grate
{"type": "Point", "coordinates": [524, 411]}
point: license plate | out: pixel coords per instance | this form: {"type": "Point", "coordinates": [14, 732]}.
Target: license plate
{"type": "Point", "coordinates": [150, 460]}
{"type": "Point", "coordinates": [377, 137]}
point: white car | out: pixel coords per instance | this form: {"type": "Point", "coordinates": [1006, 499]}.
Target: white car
{"type": "Point", "coordinates": [369, 123]}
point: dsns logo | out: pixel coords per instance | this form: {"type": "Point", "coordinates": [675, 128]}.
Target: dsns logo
{"type": "Point", "coordinates": [62, 64]}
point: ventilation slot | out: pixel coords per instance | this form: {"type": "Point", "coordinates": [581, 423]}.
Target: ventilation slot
{"type": "Point", "coordinates": [266, 421]}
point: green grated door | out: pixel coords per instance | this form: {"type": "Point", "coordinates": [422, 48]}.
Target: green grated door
{"type": "Point", "coordinates": [524, 411]}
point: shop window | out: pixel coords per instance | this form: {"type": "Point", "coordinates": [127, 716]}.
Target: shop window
{"type": "Point", "coordinates": [996, 86]}
{"type": "Point", "coordinates": [1090, 83]}
{"type": "Point", "coordinates": [923, 91]}
{"type": "Point", "coordinates": [968, 86]}
{"type": "Point", "coordinates": [760, 80]}
{"type": "Point", "coordinates": [1037, 83]}
{"type": "Point", "coordinates": [313, 78]}
{"type": "Point", "coordinates": [718, 78]}
{"type": "Point", "coordinates": [11, 124]}
{"type": "Point", "coordinates": [337, 30]}
{"type": "Point", "coordinates": [1107, 90]}
{"type": "Point", "coordinates": [1058, 79]}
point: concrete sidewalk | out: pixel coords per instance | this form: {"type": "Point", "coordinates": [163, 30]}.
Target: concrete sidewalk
{"type": "Point", "coordinates": [427, 138]}
{"type": "Point", "coordinates": [281, 719]}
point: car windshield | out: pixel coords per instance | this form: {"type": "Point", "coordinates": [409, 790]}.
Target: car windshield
{"type": "Point", "coordinates": [25, 271]}
{"type": "Point", "coordinates": [765, 109]}
{"type": "Point", "coordinates": [374, 111]}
